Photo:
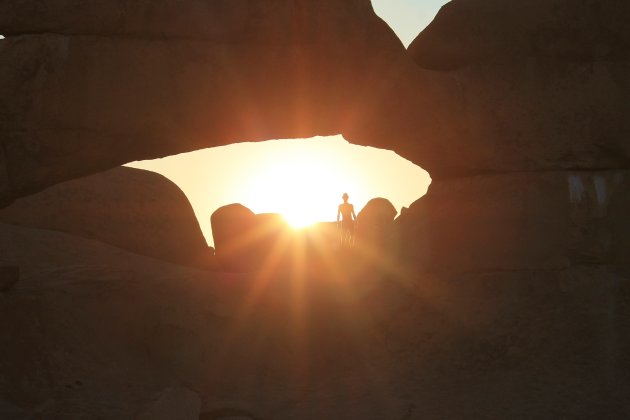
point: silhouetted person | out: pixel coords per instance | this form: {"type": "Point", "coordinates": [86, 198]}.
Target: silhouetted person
{"type": "Point", "coordinates": [346, 211]}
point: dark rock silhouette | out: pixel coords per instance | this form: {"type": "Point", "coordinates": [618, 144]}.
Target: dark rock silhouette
{"type": "Point", "coordinates": [510, 299]}
{"type": "Point", "coordinates": [246, 241]}
{"type": "Point", "coordinates": [375, 224]}
{"type": "Point", "coordinates": [8, 277]}
{"type": "Point", "coordinates": [584, 31]}
{"type": "Point", "coordinates": [173, 403]}
{"type": "Point", "coordinates": [521, 221]}
{"type": "Point", "coordinates": [234, 234]}
{"type": "Point", "coordinates": [450, 123]}
{"type": "Point", "coordinates": [159, 323]}
{"type": "Point", "coordinates": [134, 209]}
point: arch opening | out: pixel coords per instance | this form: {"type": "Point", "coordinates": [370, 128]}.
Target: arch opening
{"type": "Point", "coordinates": [300, 179]}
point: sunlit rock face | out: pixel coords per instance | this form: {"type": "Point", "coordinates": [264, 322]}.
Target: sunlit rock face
{"type": "Point", "coordinates": [133, 209]}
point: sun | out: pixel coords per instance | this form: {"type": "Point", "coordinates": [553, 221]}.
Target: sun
{"type": "Point", "coordinates": [304, 187]}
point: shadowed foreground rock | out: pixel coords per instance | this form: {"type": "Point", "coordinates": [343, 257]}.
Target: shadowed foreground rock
{"type": "Point", "coordinates": [234, 234]}
{"type": "Point", "coordinates": [375, 225]}
{"type": "Point", "coordinates": [122, 329]}
{"type": "Point", "coordinates": [137, 210]}
{"type": "Point", "coordinates": [9, 276]}
{"type": "Point", "coordinates": [520, 221]}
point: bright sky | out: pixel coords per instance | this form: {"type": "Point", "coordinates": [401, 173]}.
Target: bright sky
{"type": "Point", "coordinates": [407, 17]}
{"type": "Point", "coordinates": [302, 179]}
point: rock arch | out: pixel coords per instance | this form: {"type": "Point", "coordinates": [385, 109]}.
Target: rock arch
{"type": "Point", "coordinates": [525, 226]}
{"type": "Point", "coordinates": [105, 85]}
{"type": "Point", "coordinates": [110, 83]}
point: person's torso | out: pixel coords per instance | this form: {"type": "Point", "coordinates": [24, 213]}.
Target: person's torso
{"type": "Point", "coordinates": [346, 211]}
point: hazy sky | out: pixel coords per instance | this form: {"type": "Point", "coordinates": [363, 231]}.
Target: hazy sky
{"type": "Point", "coordinates": [303, 179]}
{"type": "Point", "coordinates": [407, 17]}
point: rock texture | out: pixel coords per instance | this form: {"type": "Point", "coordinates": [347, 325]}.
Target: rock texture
{"type": "Point", "coordinates": [511, 299]}
{"type": "Point", "coordinates": [221, 20]}
{"type": "Point", "coordinates": [520, 221]}
{"type": "Point", "coordinates": [539, 203]}
{"type": "Point", "coordinates": [133, 209]}
{"type": "Point", "coordinates": [546, 170]}
{"type": "Point", "coordinates": [467, 32]}
{"type": "Point", "coordinates": [9, 276]}
{"type": "Point", "coordinates": [173, 403]}
{"type": "Point", "coordinates": [92, 331]}
{"type": "Point", "coordinates": [87, 82]}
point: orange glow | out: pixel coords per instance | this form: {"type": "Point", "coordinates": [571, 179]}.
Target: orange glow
{"type": "Point", "coordinates": [303, 187]}
{"type": "Point", "coordinates": [302, 179]}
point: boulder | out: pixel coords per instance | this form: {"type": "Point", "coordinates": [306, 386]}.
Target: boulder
{"type": "Point", "coordinates": [520, 221]}
{"type": "Point", "coordinates": [513, 301]}
{"type": "Point", "coordinates": [468, 32]}
{"type": "Point", "coordinates": [177, 93]}
{"type": "Point", "coordinates": [235, 237]}
{"type": "Point", "coordinates": [137, 210]}
{"type": "Point", "coordinates": [375, 224]}
{"type": "Point", "coordinates": [246, 241]}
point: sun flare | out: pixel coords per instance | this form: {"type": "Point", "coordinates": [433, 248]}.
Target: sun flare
{"type": "Point", "coordinates": [304, 188]}
{"type": "Point", "coordinates": [301, 179]}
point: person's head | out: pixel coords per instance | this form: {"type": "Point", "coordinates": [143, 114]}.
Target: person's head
{"type": "Point", "coordinates": [345, 197]}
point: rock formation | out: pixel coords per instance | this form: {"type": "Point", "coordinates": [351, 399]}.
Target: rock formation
{"type": "Point", "coordinates": [85, 82]}
{"type": "Point", "coordinates": [375, 224]}
{"type": "Point", "coordinates": [133, 209]}
{"type": "Point", "coordinates": [511, 298]}
{"type": "Point", "coordinates": [547, 150]}
{"type": "Point", "coordinates": [520, 221]}
{"type": "Point", "coordinates": [93, 331]}
{"type": "Point", "coordinates": [77, 98]}
{"type": "Point", "coordinates": [246, 241]}
{"type": "Point", "coordinates": [538, 211]}
{"type": "Point", "coordinates": [233, 231]}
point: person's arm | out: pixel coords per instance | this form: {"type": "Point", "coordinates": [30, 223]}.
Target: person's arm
{"type": "Point", "coordinates": [354, 216]}
{"type": "Point", "coordinates": [338, 213]}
